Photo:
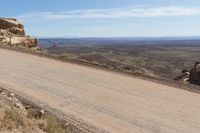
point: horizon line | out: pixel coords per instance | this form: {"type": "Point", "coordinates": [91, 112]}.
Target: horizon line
{"type": "Point", "coordinates": [65, 37]}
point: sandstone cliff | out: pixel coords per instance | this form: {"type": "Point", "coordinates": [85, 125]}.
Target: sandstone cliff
{"type": "Point", "coordinates": [12, 33]}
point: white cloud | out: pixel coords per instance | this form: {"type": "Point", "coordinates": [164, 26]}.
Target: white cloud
{"type": "Point", "coordinates": [114, 13]}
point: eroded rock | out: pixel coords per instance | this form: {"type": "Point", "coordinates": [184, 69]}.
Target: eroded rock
{"type": "Point", "coordinates": [12, 33]}
{"type": "Point", "coordinates": [194, 77]}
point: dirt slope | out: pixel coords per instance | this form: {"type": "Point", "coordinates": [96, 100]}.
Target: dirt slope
{"type": "Point", "coordinates": [109, 101]}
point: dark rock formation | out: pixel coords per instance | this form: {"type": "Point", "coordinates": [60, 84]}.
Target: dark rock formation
{"type": "Point", "coordinates": [194, 77]}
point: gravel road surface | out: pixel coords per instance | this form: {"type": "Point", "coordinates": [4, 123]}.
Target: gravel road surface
{"type": "Point", "coordinates": [109, 101]}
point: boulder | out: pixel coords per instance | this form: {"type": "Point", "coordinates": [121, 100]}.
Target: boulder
{"type": "Point", "coordinates": [194, 77]}
{"type": "Point", "coordinates": [184, 76]}
{"type": "Point", "coordinates": [12, 33]}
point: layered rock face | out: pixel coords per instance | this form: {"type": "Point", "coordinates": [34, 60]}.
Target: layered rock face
{"type": "Point", "coordinates": [12, 33]}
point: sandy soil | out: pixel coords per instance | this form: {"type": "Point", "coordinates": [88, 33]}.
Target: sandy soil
{"type": "Point", "coordinates": [106, 100]}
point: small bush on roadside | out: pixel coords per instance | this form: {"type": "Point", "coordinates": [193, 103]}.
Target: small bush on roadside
{"type": "Point", "coordinates": [51, 125]}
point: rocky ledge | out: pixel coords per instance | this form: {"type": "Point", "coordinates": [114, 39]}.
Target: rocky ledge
{"type": "Point", "coordinates": [12, 33]}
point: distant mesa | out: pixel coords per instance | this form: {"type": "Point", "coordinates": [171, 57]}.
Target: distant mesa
{"type": "Point", "coordinates": [12, 33]}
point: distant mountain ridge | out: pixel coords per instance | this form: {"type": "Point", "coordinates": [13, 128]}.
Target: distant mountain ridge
{"type": "Point", "coordinates": [48, 42]}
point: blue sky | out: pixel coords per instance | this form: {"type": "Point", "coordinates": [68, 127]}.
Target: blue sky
{"type": "Point", "coordinates": [105, 18]}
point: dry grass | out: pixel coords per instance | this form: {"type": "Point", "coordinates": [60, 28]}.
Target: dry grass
{"type": "Point", "coordinates": [51, 125]}
{"type": "Point", "coordinates": [13, 119]}
{"type": "Point", "coordinates": [46, 123]}
{"type": "Point", "coordinates": [23, 120]}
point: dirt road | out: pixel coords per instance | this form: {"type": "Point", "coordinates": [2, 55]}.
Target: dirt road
{"type": "Point", "coordinates": [109, 101]}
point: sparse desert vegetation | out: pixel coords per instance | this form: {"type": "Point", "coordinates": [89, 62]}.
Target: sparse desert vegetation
{"type": "Point", "coordinates": [16, 117]}
{"type": "Point", "coordinates": [155, 58]}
